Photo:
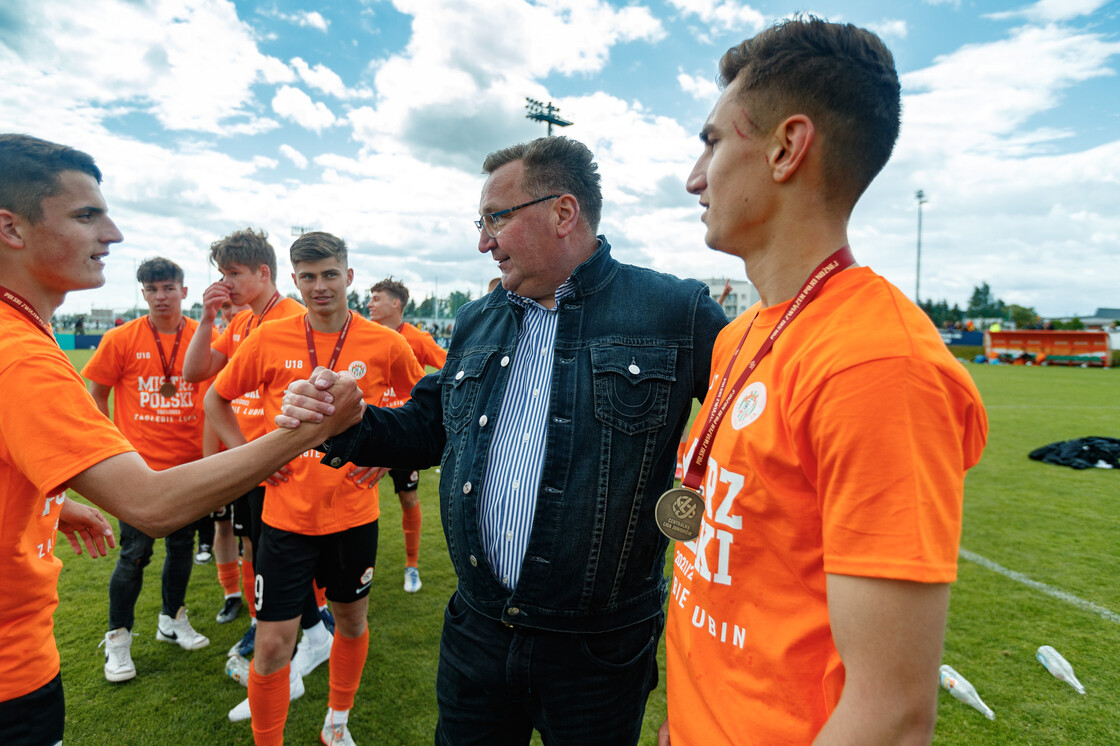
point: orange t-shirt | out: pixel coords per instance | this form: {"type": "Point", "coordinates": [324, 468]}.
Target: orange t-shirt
{"type": "Point", "coordinates": [166, 431]}
{"type": "Point", "coordinates": [317, 499]}
{"type": "Point", "coordinates": [247, 408]}
{"type": "Point", "coordinates": [52, 431]}
{"type": "Point", "coordinates": [427, 352]}
{"type": "Point", "coordinates": [845, 453]}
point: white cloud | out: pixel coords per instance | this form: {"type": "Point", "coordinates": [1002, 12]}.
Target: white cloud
{"type": "Point", "coordinates": [148, 58]}
{"type": "Point", "coordinates": [323, 79]}
{"type": "Point", "coordinates": [307, 19]}
{"type": "Point", "coordinates": [890, 28]}
{"type": "Point", "coordinates": [980, 97]}
{"type": "Point", "coordinates": [1047, 11]}
{"type": "Point", "coordinates": [700, 87]}
{"type": "Point", "coordinates": [726, 15]}
{"type": "Point", "coordinates": [293, 155]}
{"type": "Point", "coordinates": [292, 103]}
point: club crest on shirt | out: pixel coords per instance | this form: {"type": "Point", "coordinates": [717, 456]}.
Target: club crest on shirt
{"type": "Point", "coordinates": [357, 369]}
{"type": "Point", "coordinates": [367, 576]}
{"type": "Point", "coordinates": [749, 406]}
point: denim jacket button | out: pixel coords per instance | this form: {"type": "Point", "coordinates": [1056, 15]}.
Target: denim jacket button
{"type": "Point", "coordinates": [505, 361]}
{"type": "Point", "coordinates": [474, 561]}
{"type": "Point", "coordinates": [467, 488]}
{"type": "Point", "coordinates": [634, 369]}
{"type": "Point", "coordinates": [459, 375]}
{"type": "Point", "coordinates": [514, 611]}
{"type": "Point", "coordinates": [482, 421]}
{"type": "Point", "coordinates": [336, 462]}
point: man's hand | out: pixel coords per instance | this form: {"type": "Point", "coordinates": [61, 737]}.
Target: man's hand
{"type": "Point", "coordinates": [213, 298]}
{"type": "Point", "coordinates": [367, 476]}
{"type": "Point", "coordinates": [663, 734]}
{"type": "Point", "coordinates": [83, 524]}
{"type": "Point", "coordinates": [314, 399]}
{"type": "Point", "coordinates": [280, 475]}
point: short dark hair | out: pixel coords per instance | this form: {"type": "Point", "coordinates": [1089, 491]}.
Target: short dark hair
{"type": "Point", "coordinates": [394, 288]}
{"type": "Point", "coordinates": [316, 245]}
{"type": "Point", "coordinates": [158, 269]}
{"type": "Point", "coordinates": [839, 75]}
{"type": "Point", "coordinates": [556, 165]}
{"type": "Point", "coordinates": [31, 169]}
{"type": "Point", "coordinates": [246, 246]}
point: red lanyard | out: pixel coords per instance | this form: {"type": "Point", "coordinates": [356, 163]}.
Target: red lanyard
{"type": "Point", "coordinates": [167, 366]}
{"type": "Point", "coordinates": [840, 260]}
{"type": "Point", "coordinates": [26, 309]}
{"type": "Point", "coordinates": [337, 345]}
{"type": "Point", "coordinates": [259, 319]}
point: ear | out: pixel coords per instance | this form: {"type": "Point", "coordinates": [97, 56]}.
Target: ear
{"type": "Point", "coordinates": [184, 292]}
{"type": "Point", "coordinates": [10, 225]}
{"type": "Point", "coordinates": [566, 210]}
{"type": "Point", "coordinates": [265, 272]}
{"type": "Point", "coordinates": [790, 145]}
{"type": "Point", "coordinates": [349, 276]}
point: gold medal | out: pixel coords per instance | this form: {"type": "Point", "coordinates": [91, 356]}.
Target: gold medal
{"type": "Point", "coordinates": [168, 390]}
{"type": "Point", "coordinates": [679, 513]}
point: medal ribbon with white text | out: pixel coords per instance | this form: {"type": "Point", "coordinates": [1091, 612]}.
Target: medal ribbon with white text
{"type": "Point", "coordinates": [260, 319]}
{"type": "Point", "coordinates": [168, 367]}
{"type": "Point", "coordinates": [337, 345]}
{"type": "Point", "coordinates": [838, 261]}
{"type": "Point", "coordinates": [21, 305]}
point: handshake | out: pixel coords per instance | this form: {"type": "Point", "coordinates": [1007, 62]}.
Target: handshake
{"type": "Point", "coordinates": [317, 397]}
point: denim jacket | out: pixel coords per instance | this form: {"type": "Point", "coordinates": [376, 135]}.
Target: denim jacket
{"type": "Point", "coordinates": [633, 349]}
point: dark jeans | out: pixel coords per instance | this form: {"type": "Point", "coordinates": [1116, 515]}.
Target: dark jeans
{"type": "Point", "coordinates": [36, 718]}
{"type": "Point", "coordinates": [128, 575]}
{"type": "Point", "coordinates": [497, 683]}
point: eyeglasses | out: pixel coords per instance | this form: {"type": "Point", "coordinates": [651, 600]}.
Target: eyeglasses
{"type": "Point", "coordinates": [491, 221]}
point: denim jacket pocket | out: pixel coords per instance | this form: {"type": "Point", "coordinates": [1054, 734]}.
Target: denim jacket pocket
{"type": "Point", "coordinates": [632, 385]}
{"type": "Point", "coordinates": [461, 380]}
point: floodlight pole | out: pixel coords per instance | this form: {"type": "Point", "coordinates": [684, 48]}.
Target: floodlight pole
{"type": "Point", "coordinates": [545, 113]}
{"type": "Point", "coordinates": [299, 230]}
{"type": "Point", "coordinates": [921, 197]}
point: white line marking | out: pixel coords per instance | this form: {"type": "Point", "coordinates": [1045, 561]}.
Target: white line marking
{"type": "Point", "coordinates": [1049, 590]}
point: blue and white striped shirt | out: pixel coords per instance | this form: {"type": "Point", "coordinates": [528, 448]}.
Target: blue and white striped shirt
{"type": "Point", "coordinates": [516, 458]}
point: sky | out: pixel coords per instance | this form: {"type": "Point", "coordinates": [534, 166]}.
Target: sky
{"type": "Point", "coordinates": [370, 119]}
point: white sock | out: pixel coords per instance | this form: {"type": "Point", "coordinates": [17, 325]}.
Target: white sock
{"type": "Point", "coordinates": [235, 595]}
{"type": "Point", "coordinates": [317, 635]}
{"type": "Point", "coordinates": [338, 718]}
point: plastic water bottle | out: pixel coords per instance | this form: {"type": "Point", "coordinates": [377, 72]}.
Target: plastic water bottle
{"type": "Point", "coordinates": [958, 686]}
{"type": "Point", "coordinates": [237, 668]}
{"type": "Point", "coordinates": [1053, 661]}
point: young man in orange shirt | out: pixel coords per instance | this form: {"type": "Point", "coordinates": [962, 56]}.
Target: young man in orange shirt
{"type": "Point", "coordinates": [247, 262]}
{"type": "Point", "coordinates": [161, 414]}
{"type": "Point", "coordinates": [319, 523]}
{"type": "Point", "coordinates": [55, 232]}
{"type": "Point", "coordinates": [811, 607]}
{"type": "Point", "coordinates": [387, 301]}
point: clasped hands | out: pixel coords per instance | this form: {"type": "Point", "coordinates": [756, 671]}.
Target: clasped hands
{"type": "Point", "coordinates": [316, 398]}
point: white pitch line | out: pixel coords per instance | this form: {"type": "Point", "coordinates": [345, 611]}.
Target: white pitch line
{"type": "Point", "coordinates": [1049, 590]}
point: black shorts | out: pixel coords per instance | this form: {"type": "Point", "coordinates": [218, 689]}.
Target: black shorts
{"type": "Point", "coordinates": [36, 718]}
{"type": "Point", "coordinates": [286, 563]}
{"type": "Point", "coordinates": [405, 480]}
{"type": "Point", "coordinates": [222, 514]}
{"type": "Point", "coordinates": [247, 512]}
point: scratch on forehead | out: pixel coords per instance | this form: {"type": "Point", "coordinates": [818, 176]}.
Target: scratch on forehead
{"type": "Point", "coordinates": [744, 119]}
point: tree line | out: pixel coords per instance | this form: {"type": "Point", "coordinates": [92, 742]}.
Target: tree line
{"type": "Point", "coordinates": [984, 305]}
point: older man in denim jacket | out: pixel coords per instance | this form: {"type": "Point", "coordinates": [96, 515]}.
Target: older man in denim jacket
{"type": "Point", "coordinates": [556, 421]}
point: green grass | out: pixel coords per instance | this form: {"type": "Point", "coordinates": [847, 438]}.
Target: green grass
{"type": "Point", "coordinates": [1056, 525]}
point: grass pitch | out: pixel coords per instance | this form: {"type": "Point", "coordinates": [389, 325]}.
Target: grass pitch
{"type": "Point", "coordinates": [1053, 525]}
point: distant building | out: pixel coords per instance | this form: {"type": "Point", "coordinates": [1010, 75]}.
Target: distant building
{"type": "Point", "coordinates": [742, 296]}
{"type": "Point", "coordinates": [100, 318]}
{"type": "Point", "coordinates": [1104, 318]}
